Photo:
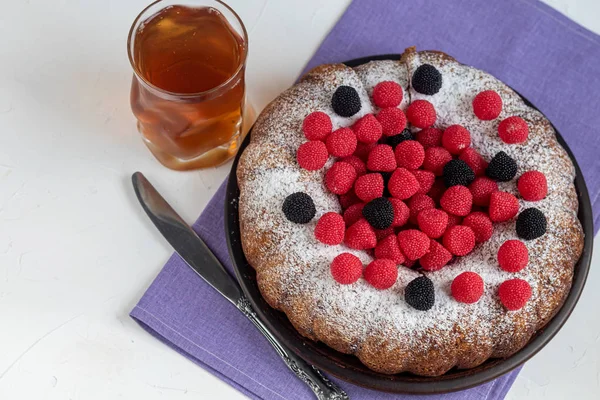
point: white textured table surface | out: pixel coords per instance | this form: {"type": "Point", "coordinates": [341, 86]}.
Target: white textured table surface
{"type": "Point", "coordinates": [76, 252]}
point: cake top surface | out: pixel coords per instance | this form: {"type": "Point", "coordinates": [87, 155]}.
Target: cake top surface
{"type": "Point", "coordinates": [293, 267]}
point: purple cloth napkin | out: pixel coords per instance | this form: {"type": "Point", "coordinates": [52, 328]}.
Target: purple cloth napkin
{"type": "Point", "coordinates": [551, 60]}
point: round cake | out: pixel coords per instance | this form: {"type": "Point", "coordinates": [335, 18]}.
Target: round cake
{"type": "Point", "coordinates": [416, 213]}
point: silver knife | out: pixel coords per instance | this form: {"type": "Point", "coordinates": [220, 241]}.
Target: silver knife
{"type": "Point", "coordinates": [201, 260]}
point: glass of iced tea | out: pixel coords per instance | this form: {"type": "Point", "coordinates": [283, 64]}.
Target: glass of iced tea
{"type": "Point", "coordinates": [188, 91]}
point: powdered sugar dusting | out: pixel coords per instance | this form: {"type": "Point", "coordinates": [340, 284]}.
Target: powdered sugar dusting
{"type": "Point", "coordinates": [379, 326]}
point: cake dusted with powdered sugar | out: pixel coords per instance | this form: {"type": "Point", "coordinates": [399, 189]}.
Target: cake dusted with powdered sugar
{"type": "Point", "coordinates": [415, 213]}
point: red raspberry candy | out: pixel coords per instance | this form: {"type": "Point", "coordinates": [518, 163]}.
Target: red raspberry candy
{"type": "Point", "coordinates": [435, 159]}
{"type": "Point", "coordinates": [353, 213]}
{"type": "Point", "coordinates": [453, 220]}
{"type": "Point", "coordinates": [413, 243]}
{"type": "Point", "coordinates": [425, 179]}
{"type": "Point", "coordinates": [459, 240]}
{"type": "Point", "coordinates": [401, 212]}
{"type": "Point", "coordinates": [437, 257]}
{"type": "Point", "coordinates": [533, 186]}
{"type": "Point", "coordinates": [392, 120]}
{"type": "Point", "coordinates": [409, 154]}
{"type": "Point", "coordinates": [513, 256]}
{"type": "Point", "coordinates": [409, 263]}
{"type": "Point", "coordinates": [363, 149]}
{"type": "Point", "coordinates": [474, 160]}
{"type": "Point", "coordinates": [387, 94]}
{"type": "Point", "coordinates": [382, 158]}
{"type": "Point", "coordinates": [340, 177]}
{"type": "Point", "coordinates": [369, 187]}
{"type": "Point", "coordinates": [514, 293]}
{"type": "Point", "coordinates": [433, 222]}
{"type": "Point", "coordinates": [430, 137]}
{"type": "Point", "coordinates": [457, 200]}
{"type": "Point", "coordinates": [312, 155]}
{"type": "Point", "coordinates": [381, 274]}
{"type": "Point", "coordinates": [418, 203]}
{"type": "Point", "coordinates": [481, 225]}
{"type": "Point", "coordinates": [360, 235]}
{"type": "Point", "coordinates": [421, 114]}
{"type": "Point", "coordinates": [403, 184]}
{"type": "Point", "coordinates": [341, 142]}
{"type": "Point", "coordinates": [513, 130]}
{"type": "Point", "coordinates": [503, 206]}
{"type": "Point", "coordinates": [481, 189]}
{"type": "Point", "coordinates": [367, 129]}
{"type": "Point", "coordinates": [330, 228]}
{"type": "Point", "coordinates": [487, 105]}
{"type": "Point", "coordinates": [388, 248]}
{"type": "Point", "coordinates": [316, 126]}
{"type": "Point", "coordinates": [346, 268]}
{"type": "Point", "coordinates": [437, 190]}
{"type": "Point", "coordinates": [348, 199]}
{"type": "Point", "coordinates": [357, 163]}
{"type": "Point", "coordinates": [456, 138]}
{"type": "Point", "coordinates": [467, 287]}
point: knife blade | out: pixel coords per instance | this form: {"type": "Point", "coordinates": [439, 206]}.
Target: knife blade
{"type": "Point", "coordinates": [184, 240]}
{"type": "Point", "coordinates": [203, 262]}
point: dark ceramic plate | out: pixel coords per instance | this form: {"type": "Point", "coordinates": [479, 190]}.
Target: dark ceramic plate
{"type": "Point", "coordinates": [348, 367]}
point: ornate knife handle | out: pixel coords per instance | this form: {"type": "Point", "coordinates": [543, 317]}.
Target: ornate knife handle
{"type": "Point", "coordinates": [323, 388]}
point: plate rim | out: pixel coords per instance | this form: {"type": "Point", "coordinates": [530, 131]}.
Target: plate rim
{"type": "Point", "coordinates": [413, 384]}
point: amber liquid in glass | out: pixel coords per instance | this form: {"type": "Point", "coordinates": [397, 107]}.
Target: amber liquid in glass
{"type": "Point", "coordinates": [195, 56]}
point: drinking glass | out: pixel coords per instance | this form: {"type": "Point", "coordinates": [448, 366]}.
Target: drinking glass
{"type": "Point", "coordinates": [187, 92]}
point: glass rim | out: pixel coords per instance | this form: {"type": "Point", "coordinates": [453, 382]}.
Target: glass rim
{"type": "Point", "coordinates": [140, 76]}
